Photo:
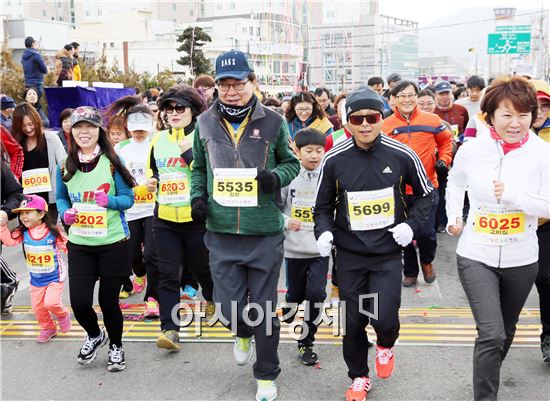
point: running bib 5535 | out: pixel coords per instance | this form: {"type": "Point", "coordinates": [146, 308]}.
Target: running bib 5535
{"type": "Point", "coordinates": [236, 187]}
{"type": "Point", "coordinates": [36, 180]}
{"type": "Point", "coordinates": [371, 210]}
{"type": "Point", "coordinates": [91, 220]}
{"type": "Point", "coordinates": [497, 225]}
{"type": "Point", "coordinates": [40, 258]}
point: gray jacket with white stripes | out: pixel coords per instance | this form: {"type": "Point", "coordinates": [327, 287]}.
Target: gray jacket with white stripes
{"type": "Point", "coordinates": [349, 172]}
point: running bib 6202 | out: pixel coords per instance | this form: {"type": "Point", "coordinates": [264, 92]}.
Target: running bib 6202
{"type": "Point", "coordinates": [36, 180]}
{"type": "Point", "coordinates": [40, 258]}
{"type": "Point", "coordinates": [91, 220]}
{"type": "Point", "coordinates": [236, 187]}
{"type": "Point", "coordinates": [302, 210]}
{"type": "Point", "coordinates": [371, 210]}
{"type": "Point", "coordinates": [174, 188]}
{"type": "Point", "coordinates": [497, 225]}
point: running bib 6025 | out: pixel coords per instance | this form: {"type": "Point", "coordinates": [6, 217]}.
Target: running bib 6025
{"type": "Point", "coordinates": [36, 180]}
{"type": "Point", "coordinates": [371, 210]}
{"type": "Point", "coordinates": [144, 202]}
{"type": "Point", "coordinates": [497, 225]}
{"type": "Point", "coordinates": [302, 210]}
{"type": "Point", "coordinates": [91, 220]}
{"type": "Point", "coordinates": [40, 258]}
{"type": "Point", "coordinates": [174, 188]}
{"type": "Point", "coordinates": [236, 187]}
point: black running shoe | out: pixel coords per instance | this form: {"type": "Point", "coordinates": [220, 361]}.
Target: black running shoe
{"type": "Point", "coordinates": [307, 355]}
{"type": "Point", "coordinates": [90, 347]}
{"type": "Point", "coordinates": [116, 359]}
{"type": "Point", "coordinates": [545, 348]}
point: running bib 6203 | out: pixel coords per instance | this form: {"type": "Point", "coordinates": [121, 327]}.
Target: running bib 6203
{"type": "Point", "coordinates": [36, 180]}
{"type": "Point", "coordinates": [497, 225]}
{"type": "Point", "coordinates": [91, 220]}
{"type": "Point", "coordinates": [174, 188]}
{"type": "Point", "coordinates": [371, 210]}
{"type": "Point", "coordinates": [40, 258]}
{"type": "Point", "coordinates": [236, 187]}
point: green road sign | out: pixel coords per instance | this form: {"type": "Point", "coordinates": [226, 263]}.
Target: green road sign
{"type": "Point", "coordinates": [509, 43]}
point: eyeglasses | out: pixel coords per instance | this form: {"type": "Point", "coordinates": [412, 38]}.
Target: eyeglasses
{"type": "Point", "coordinates": [179, 109]}
{"type": "Point", "coordinates": [403, 96]}
{"type": "Point", "coordinates": [303, 109]}
{"type": "Point", "coordinates": [371, 119]}
{"type": "Point", "coordinates": [239, 86]}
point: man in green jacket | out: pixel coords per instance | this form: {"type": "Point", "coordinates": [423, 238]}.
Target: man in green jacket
{"type": "Point", "coordinates": [241, 160]}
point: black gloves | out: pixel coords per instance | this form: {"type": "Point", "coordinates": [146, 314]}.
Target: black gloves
{"type": "Point", "coordinates": [269, 182]}
{"type": "Point", "coordinates": [441, 167]}
{"type": "Point", "coordinates": [199, 210]}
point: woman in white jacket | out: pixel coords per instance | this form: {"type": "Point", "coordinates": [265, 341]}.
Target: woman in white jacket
{"type": "Point", "coordinates": [506, 176]}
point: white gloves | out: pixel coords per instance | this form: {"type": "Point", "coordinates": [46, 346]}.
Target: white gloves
{"type": "Point", "coordinates": [402, 234]}
{"type": "Point", "coordinates": [324, 243]}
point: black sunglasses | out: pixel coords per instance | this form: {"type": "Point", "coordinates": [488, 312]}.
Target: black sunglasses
{"type": "Point", "coordinates": [371, 119]}
{"type": "Point", "coordinates": [179, 109]}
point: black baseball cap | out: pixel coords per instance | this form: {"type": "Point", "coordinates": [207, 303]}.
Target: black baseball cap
{"type": "Point", "coordinates": [443, 86]}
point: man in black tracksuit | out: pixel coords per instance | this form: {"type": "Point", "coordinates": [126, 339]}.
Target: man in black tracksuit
{"type": "Point", "coordinates": [363, 179]}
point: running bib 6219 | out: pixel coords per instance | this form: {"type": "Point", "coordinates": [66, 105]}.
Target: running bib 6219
{"type": "Point", "coordinates": [302, 210]}
{"type": "Point", "coordinates": [36, 180]}
{"type": "Point", "coordinates": [236, 187]}
{"type": "Point", "coordinates": [497, 225]}
{"type": "Point", "coordinates": [174, 188]}
{"type": "Point", "coordinates": [40, 258]}
{"type": "Point", "coordinates": [371, 210]}
{"type": "Point", "coordinates": [91, 220]}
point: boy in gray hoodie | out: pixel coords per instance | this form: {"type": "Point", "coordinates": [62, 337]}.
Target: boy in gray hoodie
{"type": "Point", "coordinates": [306, 269]}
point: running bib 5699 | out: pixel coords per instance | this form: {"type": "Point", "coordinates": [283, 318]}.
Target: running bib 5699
{"type": "Point", "coordinates": [236, 187]}
{"type": "Point", "coordinates": [371, 210]}
{"type": "Point", "coordinates": [91, 220]}
{"type": "Point", "coordinates": [36, 180]}
{"type": "Point", "coordinates": [302, 210]}
{"type": "Point", "coordinates": [174, 188]}
{"type": "Point", "coordinates": [40, 258]}
{"type": "Point", "coordinates": [497, 225]}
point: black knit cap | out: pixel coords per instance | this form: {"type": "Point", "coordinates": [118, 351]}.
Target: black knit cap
{"type": "Point", "coordinates": [362, 98]}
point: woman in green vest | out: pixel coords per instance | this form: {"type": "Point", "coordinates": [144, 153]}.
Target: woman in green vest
{"type": "Point", "coordinates": [178, 238]}
{"type": "Point", "coordinates": [94, 188]}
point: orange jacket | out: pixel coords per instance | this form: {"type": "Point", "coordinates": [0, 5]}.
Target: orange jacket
{"type": "Point", "coordinates": [425, 134]}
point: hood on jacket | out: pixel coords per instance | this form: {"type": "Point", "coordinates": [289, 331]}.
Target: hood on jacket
{"type": "Point", "coordinates": [29, 53]}
{"type": "Point", "coordinates": [63, 53]}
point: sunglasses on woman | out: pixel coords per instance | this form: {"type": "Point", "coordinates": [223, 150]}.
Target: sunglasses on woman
{"type": "Point", "coordinates": [371, 119]}
{"type": "Point", "coordinates": [179, 109]}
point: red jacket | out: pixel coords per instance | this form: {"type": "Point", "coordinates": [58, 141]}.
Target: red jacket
{"type": "Point", "coordinates": [424, 133]}
{"type": "Point", "coordinates": [456, 115]}
{"type": "Point", "coordinates": [15, 152]}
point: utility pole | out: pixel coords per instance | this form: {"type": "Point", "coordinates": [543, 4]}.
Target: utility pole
{"type": "Point", "coordinates": [191, 55]}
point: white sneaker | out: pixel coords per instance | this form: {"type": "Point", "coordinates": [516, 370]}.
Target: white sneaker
{"type": "Point", "coordinates": [267, 390]}
{"type": "Point", "coordinates": [242, 350]}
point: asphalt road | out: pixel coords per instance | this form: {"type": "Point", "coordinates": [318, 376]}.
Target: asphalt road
{"type": "Point", "coordinates": [206, 370]}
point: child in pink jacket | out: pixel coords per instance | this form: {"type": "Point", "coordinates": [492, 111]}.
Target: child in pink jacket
{"type": "Point", "coordinates": [43, 243]}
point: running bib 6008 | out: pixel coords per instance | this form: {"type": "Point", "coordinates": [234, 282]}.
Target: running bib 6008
{"type": "Point", "coordinates": [91, 220]}
{"type": "Point", "coordinates": [36, 180]}
{"type": "Point", "coordinates": [497, 225]}
{"type": "Point", "coordinates": [302, 210]}
{"type": "Point", "coordinates": [40, 258]}
{"type": "Point", "coordinates": [236, 187]}
{"type": "Point", "coordinates": [371, 210]}
{"type": "Point", "coordinates": [174, 188]}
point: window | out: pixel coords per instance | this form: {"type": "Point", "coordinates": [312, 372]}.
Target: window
{"type": "Point", "coordinates": [251, 31]}
{"type": "Point", "coordinates": [88, 13]}
{"type": "Point", "coordinates": [43, 13]}
{"type": "Point", "coordinates": [232, 5]}
{"type": "Point", "coordinates": [348, 57]}
{"type": "Point", "coordinates": [349, 74]}
{"type": "Point", "coordinates": [99, 12]}
{"type": "Point", "coordinates": [258, 31]}
{"type": "Point", "coordinates": [276, 67]}
{"type": "Point", "coordinates": [58, 4]}
{"type": "Point", "coordinates": [112, 44]}
{"type": "Point", "coordinates": [329, 58]}
{"type": "Point", "coordinates": [292, 67]}
{"type": "Point", "coordinates": [326, 39]}
{"type": "Point", "coordinates": [191, 13]}
{"type": "Point", "coordinates": [244, 29]}
{"type": "Point", "coordinates": [330, 75]}
{"type": "Point", "coordinates": [174, 6]}
{"type": "Point", "coordinates": [285, 67]}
